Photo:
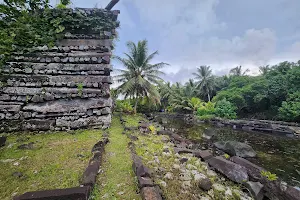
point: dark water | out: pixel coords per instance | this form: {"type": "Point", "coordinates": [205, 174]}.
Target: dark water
{"type": "Point", "coordinates": [279, 155]}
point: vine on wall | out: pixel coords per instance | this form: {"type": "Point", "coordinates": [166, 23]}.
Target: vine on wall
{"type": "Point", "coordinates": [30, 23]}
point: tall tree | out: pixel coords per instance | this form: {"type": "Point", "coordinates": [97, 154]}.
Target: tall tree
{"type": "Point", "coordinates": [205, 81]}
{"type": "Point", "coordinates": [139, 77]}
{"type": "Point", "coordinates": [237, 71]}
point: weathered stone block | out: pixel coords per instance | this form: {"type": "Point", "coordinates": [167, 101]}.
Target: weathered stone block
{"type": "Point", "coordinates": [150, 193]}
{"type": "Point", "coordinates": [38, 124]}
{"type": "Point", "coordinates": [256, 189]}
{"type": "Point", "coordinates": [90, 174]}
{"type": "Point", "coordinates": [10, 108]}
{"type": "Point", "coordinates": [62, 106]}
{"type": "Point", "coordinates": [253, 170]}
{"type": "Point", "coordinates": [84, 122]}
{"type": "Point", "coordinates": [2, 141]}
{"type": "Point", "coordinates": [4, 97]}
{"type": "Point", "coordinates": [231, 170]}
{"type": "Point", "coordinates": [205, 155]}
{"type": "Point", "coordinates": [145, 182]}
{"type": "Point", "coordinates": [77, 193]}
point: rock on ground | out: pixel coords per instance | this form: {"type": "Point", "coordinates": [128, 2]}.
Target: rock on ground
{"type": "Point", "coordinates": [2, 141]}
{"type": "Point", "coordinates": [256, 189]}
{"type": "Point", "coordinates": [150, 193]}
{"type": "Point", "coordinates": [231, 170]}
{"type": "Point", "coordinates": [234, 148]}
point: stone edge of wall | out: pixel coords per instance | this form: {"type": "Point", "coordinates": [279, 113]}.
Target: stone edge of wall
{"type": "Point", "coordinates": [148, 189]}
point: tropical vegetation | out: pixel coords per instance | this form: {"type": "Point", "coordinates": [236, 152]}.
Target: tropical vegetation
{"type": "Point", "coordinates": [273, 94]}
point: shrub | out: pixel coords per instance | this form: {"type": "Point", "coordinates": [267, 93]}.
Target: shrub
{"type": "Point", "coordinates": [146, 105]}
{"type": "Point", "coordinates": [206, 109]}
{"type": "Point", "coordinates": [124, 106]}
{"type": "Point", "coordinates": [225, 109]}
{"type": "Point", "coordinates": [195, 103]}
{"type": "Point", "coordinates": [290, 109]}
{"type": "Point", "coordinates": [233, 95]}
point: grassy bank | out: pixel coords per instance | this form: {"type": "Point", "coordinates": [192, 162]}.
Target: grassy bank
{"type": "Point", "coordinates": [117, 180]}
{"type": "Point", "coordinates": [55, 161]}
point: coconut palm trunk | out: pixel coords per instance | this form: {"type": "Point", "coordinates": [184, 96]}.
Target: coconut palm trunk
{"type": "Point", "coordinates": [135, 104]}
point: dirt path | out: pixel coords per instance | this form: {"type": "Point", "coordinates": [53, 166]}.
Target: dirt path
{"type": "Point", "coordinates": [117, 180]}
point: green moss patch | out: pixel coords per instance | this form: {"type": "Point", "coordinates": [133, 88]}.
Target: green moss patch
{"type": "Point", "coordinates": [132, 120]}
{"type": "Point", "coordinates": [56, 161]}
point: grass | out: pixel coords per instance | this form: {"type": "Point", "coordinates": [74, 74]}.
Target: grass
{"type": "Point", "coordinates": [132, 120]}
{"type": "Point", "coordinates": [117, 181]}
{"type": "Point", "coordinates": [56, 161]}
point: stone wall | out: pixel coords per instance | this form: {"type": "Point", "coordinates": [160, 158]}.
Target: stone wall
{"type": "Point", "coordinates": [62, 87]}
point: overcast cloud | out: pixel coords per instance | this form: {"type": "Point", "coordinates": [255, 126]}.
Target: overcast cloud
{"type": "Point", "coordinates": [222, 34]}
{"type": "Point", "coordinates": [218, 33]}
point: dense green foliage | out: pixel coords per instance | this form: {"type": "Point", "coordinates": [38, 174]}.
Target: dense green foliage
{"type": "Point", "coordinates": [225, 109]}
{"type": "Point", "coordinates": [290, 109]}
{"type": "Point", "coordinates": [262, 96]}
{"type": "Point", "coordinates": [31, 23]}
{"type": "Point", "coordinates": [272, 95]}
{"type": "Point", "coordinates": [206, 109]}
{"type": "Point", "coordinates": [139, 77]}
{"type": "Point", "coordinates": [124, 106]}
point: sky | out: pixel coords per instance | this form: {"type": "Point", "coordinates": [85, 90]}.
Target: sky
{"type": "Point", "coordinates": [220, 33]}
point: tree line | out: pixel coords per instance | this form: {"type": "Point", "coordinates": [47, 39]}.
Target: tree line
{"type": "Point", "coordinates": [274, 94]}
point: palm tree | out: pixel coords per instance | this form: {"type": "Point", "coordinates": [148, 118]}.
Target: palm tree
{"type": "Point", "coordinates": [237, 71]}
{"type": "Point", "coordinates": [139, 77]}
{"type": "Point", "coordinates": [264, 69]}
{"type": "Point", "coordinates": [165, 92]}
{"type": "Point", "coordinates": [205, 80]}
{"type": "Point", "coordinates": [190, 88]}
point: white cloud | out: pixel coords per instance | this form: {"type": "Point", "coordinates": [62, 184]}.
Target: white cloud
{"type": "Point", "coordinates": [253, 49]}
{"type": "Point", "coordinates": [187, 36]}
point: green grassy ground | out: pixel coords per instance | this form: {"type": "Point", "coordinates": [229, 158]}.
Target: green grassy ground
{"type": "Point", "coordinates": [117, 181]}
{"type": "Point", "coordinates": [57, 161]}
{"type": "Point", "coordinates": [132, 120]}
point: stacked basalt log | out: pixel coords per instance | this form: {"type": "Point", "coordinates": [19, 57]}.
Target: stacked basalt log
{"type": "Point", "coordinates": [66, 86]}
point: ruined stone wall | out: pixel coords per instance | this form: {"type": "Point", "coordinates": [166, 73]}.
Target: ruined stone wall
{"type": "Point", "coordinates": [63, 87]}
